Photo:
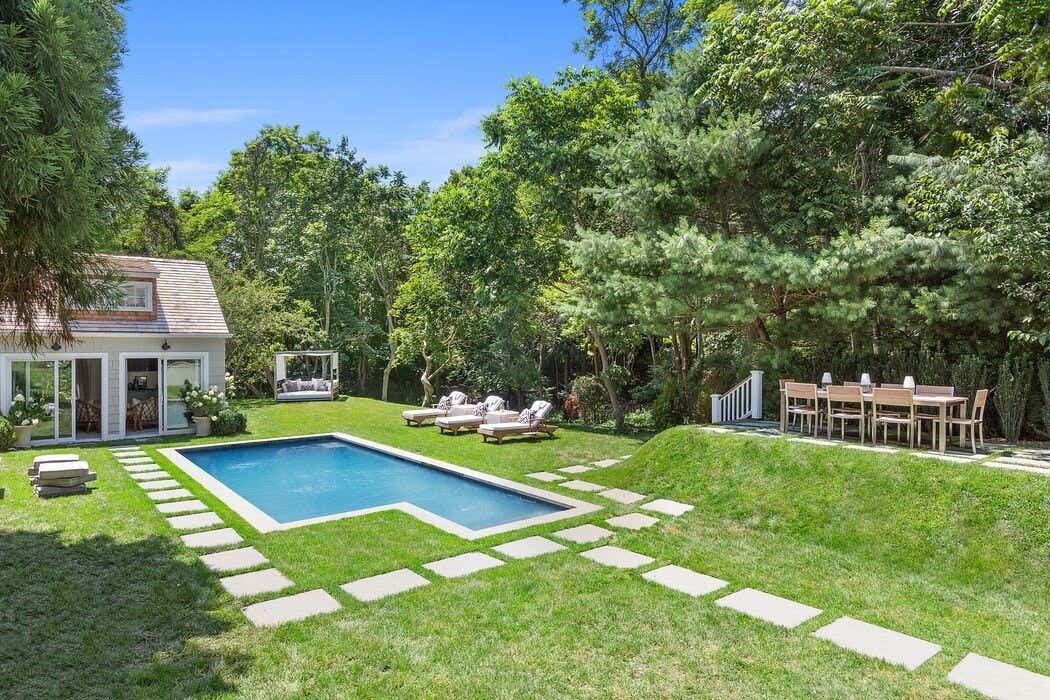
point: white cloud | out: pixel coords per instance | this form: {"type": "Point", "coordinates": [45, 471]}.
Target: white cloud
{"type": "Point", "coordinates": [445, 144]}
{"type": "Point", "coordinates": [175, 116]}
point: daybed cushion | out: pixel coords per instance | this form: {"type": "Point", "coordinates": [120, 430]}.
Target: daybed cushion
{"type": "Point", "coordinates": [422, 414]}
{"type": "Point", "coordinates": [302, 395]}
{"type": "Point", "coordinates": [459, 421]}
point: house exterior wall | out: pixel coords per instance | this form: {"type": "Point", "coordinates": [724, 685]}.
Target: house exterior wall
{"type": "Point", "coordinates": [113, 349]}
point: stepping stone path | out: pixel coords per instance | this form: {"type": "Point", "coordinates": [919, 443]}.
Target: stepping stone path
{"type": "Point", "coordinates": [546, 476]}
{"type": "Point", "coordinates": [172, 507]}
{"type": "Point", "coordinates": [463, 564]}
{"type": "Point", "coordinates": [125, 448]}
{"type": "Point", "coordinates": [212, 538]}
{"type": "Point", "coordinates": [768, 607]}
{"type": "Point", "coordinates": [667, 507]}
{"type": "Point", "coordinates": [999, 680]}
{"type": "Point", "coordinates": [138, 468]}
{"type": "Point", "coordinates": [577, 485]}
{"type": "Point", "coordinates": [136, 460]}
{"type": "Point", "coordinates": [255, 583]}
{"type": "Point", "coordinates": [712, 429]}
{"type": "Point", "coordinates": [1025, 461]}
{"type": "Point", "coordinates": [605, 463]}
{"type": "Point", "coordinates": [633, 521]}
{"type": "Point", "coordinates": [622, 496]}
{"type": "Point", "coordinates": [942, 457]}
{"type": "Point", "coordinates": [169, 495]}
{"type": "Point", "coordinates": [617, 557]}
{"type": "Point", "coordinates": [583, 534]}
{"type": "Point", "coordinates": [878, 642]}
{"type": "Point", "coordinates": [271, 613]}
{"type": "Point", "coordinates": [1018, 468]}
{"type": "Point", "coordinates": [528, 547]}
{"type": "Point", "coordinates": [146, 476]}
{"type": "Point", "coordinates": [383, 585]}
{"type": "Point", "coordinates": [814, 441]}
{"type": "Point", "coordinates": [685, 580]}
{"type": "Point", "coordinates": [234, 559]}
{"type": "Point", "coordinates": [869, 448]}
{"type": "Point", "coordinates": [158, 485]}
{"type": "Point", "coordinates": [576, 469]}
{"type": "Point", "coordinates": [196, 521]}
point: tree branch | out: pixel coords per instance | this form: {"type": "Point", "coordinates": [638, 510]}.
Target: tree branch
{"type": "Point", "coordinates": [939, 73]}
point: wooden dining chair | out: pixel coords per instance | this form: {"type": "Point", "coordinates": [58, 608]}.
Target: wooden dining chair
{"type": "Point", "coordinates": [791, 416]}
{"type": "Point", "coordinates": [850, 407]}
{"type": "Point", "coordinates": [892, 407]}
{"type": "Point", "coordinates": [802, 401]}
{"type": "Point", "coordinates": [975, 422]}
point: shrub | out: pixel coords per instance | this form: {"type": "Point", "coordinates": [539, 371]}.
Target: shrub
{"type": "Point", "coordinates": [594, 401]}
{"type": "Point", "coordinates": [229, 421]}
{"type": "Point", "coordinates": [1011, 395]}
{"type": "Point", "coordinates": [666, 410]}
{"type": "Point", "coordinates": [7, 434]}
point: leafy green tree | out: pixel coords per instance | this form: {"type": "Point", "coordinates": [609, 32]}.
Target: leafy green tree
{"type": "Point", "coordinates": [64, 154]}
{"type": "Point", "coordinates": [150, 222]}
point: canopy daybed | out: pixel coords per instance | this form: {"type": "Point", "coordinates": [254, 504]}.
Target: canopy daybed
{"type": "Point", "coordinates": [306, 375]}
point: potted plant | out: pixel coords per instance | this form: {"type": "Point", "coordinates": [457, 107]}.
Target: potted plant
{"type": "Point", "coordinates": [204, 405]}
{"type": "Point", "coordinates": [24, 415]}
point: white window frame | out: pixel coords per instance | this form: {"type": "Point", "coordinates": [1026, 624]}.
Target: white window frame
{"type": "Point", "coordinates": [122, 372]}
{"type": "Point", "coordinates": [136, 284]}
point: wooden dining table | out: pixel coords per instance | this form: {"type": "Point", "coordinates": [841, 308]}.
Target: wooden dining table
{"type": "Point", "coordinates": [943, 404]}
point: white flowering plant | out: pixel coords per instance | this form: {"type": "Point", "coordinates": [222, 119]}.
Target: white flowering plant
{"type": "Point", "coordinates": [203, 403]}
{"type": "Point", "coordinates": [25, 411]}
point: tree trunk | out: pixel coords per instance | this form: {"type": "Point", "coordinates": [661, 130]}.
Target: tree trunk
{"type": "Point", "coordinates": [610, 388]}
{"type": "Point", "coordinates": [392, 345]}
{"type": "Point", "coordinates": [426, 378]}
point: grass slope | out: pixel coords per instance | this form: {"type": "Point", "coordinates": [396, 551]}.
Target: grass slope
{"type": "Point", "coordinates": [99, 598]}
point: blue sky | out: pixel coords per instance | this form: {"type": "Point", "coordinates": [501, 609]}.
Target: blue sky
{"type": "Point", "coordinates": [406, 81]}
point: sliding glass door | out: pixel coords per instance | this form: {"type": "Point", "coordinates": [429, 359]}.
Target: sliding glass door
{"type": "Point", "coordinates": [50, 385]}
{"type": "Point", "coordinates": [177, 373]}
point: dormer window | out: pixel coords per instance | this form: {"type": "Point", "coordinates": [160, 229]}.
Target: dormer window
{"type": "Point", "coordinates": [138, 296]}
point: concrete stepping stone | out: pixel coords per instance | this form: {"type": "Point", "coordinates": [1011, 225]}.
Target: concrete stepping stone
{"type": "Point", "coordinates": [158, 485]}
{"type": "Point", "coordinates": [633, 521]}
{"type": "Point", "coordinates": [196, 521]}
{"type": "Point", "coordinates": [528, 547]}
{"type": "Point", "coordinates": [623, 457]}
{"type": "Point", "coordinates": [144, 467]}
{"type": "Point", "coordinates": [149, 476]}
{"type": "Point", "coordinates": [130, 454]}
{"type": "Point", "coordinates": [768, 607]}
{"type": "Point", "coordinates": [878, 642]}
{"type": "Point", "coordinates": [383, 585]}
{"type": "Point", "coordinates": [300, 606]}
{"type": "Point", "coordinates": [234, 559]}
{"type": "Point", "coordinates": [765, 435]}
{"type": "Point", "coordinates": [136, 460]}
{"type": "Point", "coordinates": [212, 538]}
{"type": "Point", "coordinates": [603, 463]}
{"type": "Point", "coordinates": [173, 507]}
{"type": "Point", "coordinates": [255, 583]}
{"type": "Point", "coordinates": [583, 534]}
{"type": "Point", "coordinates": [170, 494]}
{"type": "Point", "coordinates": [667, 507]}
{"type": "Point", "coordinates": [870, 448]}
{"type": "Point", "coordinates": [685, 580]}
{"type": "Point", "coordinates": [617, 557]}
{"type": "Point", "coordinates": [713, 429]}
{"type": "Point", "coordinates": [125, 448]}
{"type": "Point", "coordinates": [1018, 468]}
{"type": "Point", "coordinates": [546, 476]}
{"type": "Point", "coordinates": [578, 485]}
{"type": "Point", "coordinates": [814, 441]}
{"type": "Point", "coordinates": [1025, 462]}
{"type": "Point", "coordinates": [622, 496]}
{"type": "Point", "coordinates": [576, 469]}
{"type": "Point", "coordinates": [999, 680]}
{"type": "Point", "coordinates": [942, 457]}
{"type": "Point", "coordinates": [463, 564]}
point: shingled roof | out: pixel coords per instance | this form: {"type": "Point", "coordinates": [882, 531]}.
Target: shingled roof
{"type": "Point", "coordinates": [186, 301]}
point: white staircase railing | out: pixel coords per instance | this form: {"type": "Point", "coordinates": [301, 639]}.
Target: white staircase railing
{"type": "Point", "coordinates": [743, 401]}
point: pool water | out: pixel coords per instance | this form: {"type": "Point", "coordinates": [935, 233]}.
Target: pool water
{"type": "Point", "coordinates": [292, 480]}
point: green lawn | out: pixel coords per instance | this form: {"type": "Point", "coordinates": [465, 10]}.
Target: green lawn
{"type": "Point", "coordinates": [99, 599]}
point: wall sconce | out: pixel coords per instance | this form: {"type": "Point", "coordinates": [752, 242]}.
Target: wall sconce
{"type": "Point", "coordinates": [56, 346]}
{"type": "Point", "coordinates": [165, 346]}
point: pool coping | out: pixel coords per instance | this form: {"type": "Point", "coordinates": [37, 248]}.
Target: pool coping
{"type": "Point", "coordinates": [263, 522]}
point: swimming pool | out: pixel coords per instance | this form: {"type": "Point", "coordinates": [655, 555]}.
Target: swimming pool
{"type": "Point", "coordinates": [290, 482]}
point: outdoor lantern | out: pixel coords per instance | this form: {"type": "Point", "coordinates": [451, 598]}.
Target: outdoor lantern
{"type": "Point", "coordinates": [826, 379]}
{"type": "Point", "coordinates": [165, 346]}
{"type": "Point", "coordinates": [909, 382]}
{"type": "Point", "coordinates": [865, 381]}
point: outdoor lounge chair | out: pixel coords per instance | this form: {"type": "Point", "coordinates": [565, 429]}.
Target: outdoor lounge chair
{"type": "Point", "coordinates": [471, 420]}
{"type": "Point", "coordinates": [420, 415]}
{"type": "Point", "coordinates": [534, 425]}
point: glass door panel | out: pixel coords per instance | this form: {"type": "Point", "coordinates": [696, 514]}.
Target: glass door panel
{"type": "Point", "coordinates": [64, 403]}
{"type": "Point", "coordinates": [42, 390]}
{"type": "Point", "coordinates": [176, 374]}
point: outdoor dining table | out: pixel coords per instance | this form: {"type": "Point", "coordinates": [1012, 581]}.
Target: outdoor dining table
{"type": "Point", "coordinates": [943, 404]}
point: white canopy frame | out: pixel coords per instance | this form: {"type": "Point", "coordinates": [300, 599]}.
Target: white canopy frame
{"type": "Point", "coordinates": [327, 361]}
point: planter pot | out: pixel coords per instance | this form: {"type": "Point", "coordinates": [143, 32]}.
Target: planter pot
{"type": "Point", "coordinates": [203, 424]}
{"type": "Point", "coordinates": [23, 434]}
